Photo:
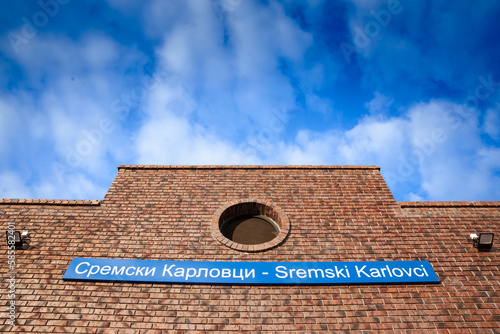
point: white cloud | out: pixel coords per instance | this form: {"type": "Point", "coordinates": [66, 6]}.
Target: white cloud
{"type": "Point", "coordinates": [78, 186]}
{"type": "Point", "coordinates": [68, 131]}
{"type": "Point", "coordinates": [160, 16]}
{"type": "Point", "coordinates": [9, 122]}
{"type": "Point", "coordinates": [261, 36]}
{"type": "Point", "coordinates": [434, 146]}
{"type": "Point", "coordinates": [379, 104]}
{"type": "Point", "coordinates": [238, 80]}
{"type": "Point", "coordinates": [415, 197]}
{"type": "Point", "coordinates": [492, 123]}
{"type": "Point", "coordinates": [217, 93]}
{"type": "Point", "coordinates": [99, 51]}
{"type": "Point", "coordinates": [168, 139]}
{"type": "Point", "coordinates": [375, 140]}
{"type": "Point", "coordinates": [309, 148]}
{"type": "Point", "coordinates": [13, 186]}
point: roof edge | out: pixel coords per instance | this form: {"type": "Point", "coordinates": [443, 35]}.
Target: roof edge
{"type": "Point", "coordinates": [157, 167]}
{"type": "Point", "coordinates": [63, 202]}
{"type": "Point", "coordinates": [457, 204]}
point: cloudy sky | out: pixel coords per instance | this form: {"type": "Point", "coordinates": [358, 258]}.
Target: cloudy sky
{"type": "Point", "coordinates": [411, 86]}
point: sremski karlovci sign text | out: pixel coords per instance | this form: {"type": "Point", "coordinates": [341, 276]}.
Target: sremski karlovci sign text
{"type": "Point", "coordinates": [251, 273]}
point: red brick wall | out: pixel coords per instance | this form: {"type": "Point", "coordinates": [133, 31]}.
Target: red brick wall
{"type": "Point", "coordinates": [335, 213]}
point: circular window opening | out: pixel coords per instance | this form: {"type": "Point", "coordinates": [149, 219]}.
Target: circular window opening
{"type": "Point", "coordinates": [250, 225]}
{"type": "Point", "coordinates": [250, 229]}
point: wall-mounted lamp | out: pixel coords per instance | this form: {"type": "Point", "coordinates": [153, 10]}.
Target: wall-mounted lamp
{"type": "Point", "coordinates": [483, 242]}
{"type": "Point", "coordinates": [17, 239]}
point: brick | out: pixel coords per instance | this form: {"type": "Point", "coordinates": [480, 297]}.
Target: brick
{"type": "Point", "coordinates": [326, 213]}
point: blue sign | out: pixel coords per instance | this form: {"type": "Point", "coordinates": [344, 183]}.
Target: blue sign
{"type": "Point", "coordinates": [251, 273]}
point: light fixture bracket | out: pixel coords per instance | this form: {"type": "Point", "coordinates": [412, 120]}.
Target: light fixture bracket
{"type": "Point", "coordinates": [17, 239]}
{"type": "Point", "coordinates": [483, 242]}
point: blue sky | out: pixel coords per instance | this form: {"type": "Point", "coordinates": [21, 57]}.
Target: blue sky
{"type": "Point", "coordinates": [411, 86]}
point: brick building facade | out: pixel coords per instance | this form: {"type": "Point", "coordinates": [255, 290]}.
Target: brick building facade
{"type": "Point", "coordinates": [333, 213]}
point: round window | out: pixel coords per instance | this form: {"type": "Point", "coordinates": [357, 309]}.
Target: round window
{"type": "Point", "coordinates": [250, 229]}
{"type": "Point", "coordinates": [250, 225]}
